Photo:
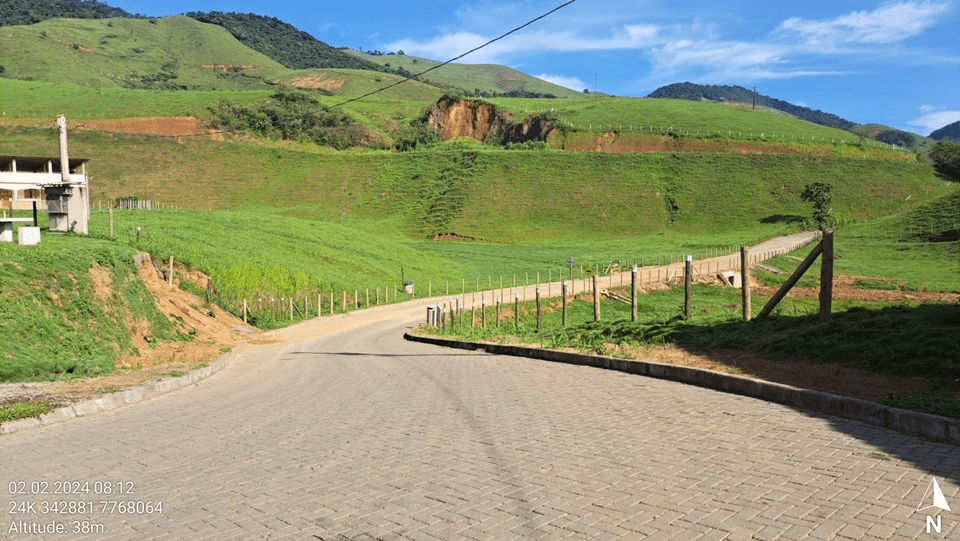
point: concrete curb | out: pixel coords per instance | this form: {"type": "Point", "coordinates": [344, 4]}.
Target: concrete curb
{"type": "Point", "coordinates": [914, 423]}
{"type": "Point", "coordinates": [119, 399]}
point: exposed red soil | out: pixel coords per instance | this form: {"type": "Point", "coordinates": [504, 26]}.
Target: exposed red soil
{"type": "Point", "coordinates": [165, 125]}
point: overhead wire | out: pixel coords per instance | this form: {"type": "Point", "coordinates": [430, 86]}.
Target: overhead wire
{"type": "Point", "coordinates": [400, 82]}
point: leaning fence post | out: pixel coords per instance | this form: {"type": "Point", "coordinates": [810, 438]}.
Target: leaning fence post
{"type": "Point", "coordinates": [171, 272]}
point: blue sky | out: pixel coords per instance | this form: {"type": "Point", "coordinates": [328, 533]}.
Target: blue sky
{"type": "Point", "coordinates": [889, 62]}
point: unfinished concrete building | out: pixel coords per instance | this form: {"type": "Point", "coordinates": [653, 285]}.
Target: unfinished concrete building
{"type": "Point", "coordinates": [58, 186]}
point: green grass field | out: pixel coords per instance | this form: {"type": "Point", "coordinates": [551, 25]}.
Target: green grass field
{"type": "Point", "coordinates": [109, 52]}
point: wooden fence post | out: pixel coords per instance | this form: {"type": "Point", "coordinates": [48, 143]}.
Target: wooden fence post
{"type": "Point", "coordinates": [687, 281]}
{"type": "Point", "coordinates": [745, 282]}
{"type": "Point", "coordinates": [291, 308]}
{"type": "Point", "coordinates": [331, 303]}
{"type": "Point", "coordinates": [497, 303]}
{"type": "Point", "coordinates": [516, 311]}
{"type": "Point", "coordinates": [633, 294]}
{"type": "Point", "coordinates": [539, 315]}
{"type": "Point", "coordinates": [171, 272]}
{"type": "Point", "coordinates": [111, 222]}
{"type": "Point", "coordinates": [563, 293]}
{"type": "Point", "coordinates": [368, 297]}
{"type": "Point", "coordinates": [244, 310]}
{"type": "Point", "coordinates": [826, 277]}
{"type": "Point", "coordinates": [596, 299]}
{"type": "Point", "coordinates": [344, 301]}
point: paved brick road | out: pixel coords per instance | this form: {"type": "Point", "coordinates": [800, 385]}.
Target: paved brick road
{"type": "Point", "coordinates": [353, 433]}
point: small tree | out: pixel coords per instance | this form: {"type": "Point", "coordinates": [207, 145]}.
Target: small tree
{"type": "Point", "coordinates": [946, 158]}
{"type": "Point", "coordinates": [818, 193]}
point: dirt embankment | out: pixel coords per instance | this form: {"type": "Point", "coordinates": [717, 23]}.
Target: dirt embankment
{"type": "Point", "coordinates": [211, 332]}
{"type": "Point", "coordinates": [453, 118]}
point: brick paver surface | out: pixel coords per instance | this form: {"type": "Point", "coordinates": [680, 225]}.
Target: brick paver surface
{"type": "Point", "coordinates": [352, 433]}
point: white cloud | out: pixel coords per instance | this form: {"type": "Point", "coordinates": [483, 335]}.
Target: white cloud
{"type": "Point", "coordinates": [696, 49]}
{"type": "Point", "coordinates": [572, 83]}
{"type": "Point", "coordinates": [889, 23]}
{"type": "Point", "coordinates": [447, 46]}
{"type": "Point", "coordinates": [933, 119]}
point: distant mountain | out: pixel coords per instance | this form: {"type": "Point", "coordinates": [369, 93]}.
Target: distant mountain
{"type": "Point", "coordinates": [283, 42]}
{"type": "Point", "coordinates": [14, 12]}
{"type": "Point", "coordinates": [948, 132]}
{"type": "Point", "coordinates": [892, 136]}
{"type": "Point", "coordinates": [485, 80]}
{"type": "Point", "coordinates": [695, 92]}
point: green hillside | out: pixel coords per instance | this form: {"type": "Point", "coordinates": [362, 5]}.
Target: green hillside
{"type": "Point", "coordinates": [282, 42]}
{"type": "Point", "coordinates": [482, 78]}
{"type": "Point", "coordinates": [167, 53]}
{"type": "Point", "coordinates": [505, 196]}
{"type": "Point", "coordinates": [13, 12]}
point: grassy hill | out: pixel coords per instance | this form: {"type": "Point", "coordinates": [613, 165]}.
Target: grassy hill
{"type": "Point", "coordinates": [486, 78]}
{"type": "Point", "coordinates": [172, 52]}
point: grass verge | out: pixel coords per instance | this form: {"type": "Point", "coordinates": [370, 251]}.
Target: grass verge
{"type": "Point", "coordinates": [24, 410]}
{"type": "Point", "coordinates": [906, 339]}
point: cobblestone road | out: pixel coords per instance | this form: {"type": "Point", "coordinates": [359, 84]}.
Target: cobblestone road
{"type": "Point", "coordinates": [348, 432]}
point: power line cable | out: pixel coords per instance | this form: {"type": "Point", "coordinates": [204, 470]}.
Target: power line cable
{"type": "Point", "coordinates": [411, 77]}
{"type": "Point", "coordinates": [452, 60]}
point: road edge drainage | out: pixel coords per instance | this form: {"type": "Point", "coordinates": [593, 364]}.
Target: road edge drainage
{"type": "Point", "coordinates": [914, 423]}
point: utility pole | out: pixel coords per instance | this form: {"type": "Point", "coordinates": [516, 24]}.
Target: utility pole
{"type": "Point", "coordinates": [754, 97]}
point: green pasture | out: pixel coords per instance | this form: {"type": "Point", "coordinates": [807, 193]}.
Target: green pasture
{"type": "Point", "coordinates": [684, 118]}
{"type": "Point", "coordinates": [500, 196]}
{"type": "Point", "coordinates": [109, 52]}
{"type": "Point", "coordinates": [43, 101]}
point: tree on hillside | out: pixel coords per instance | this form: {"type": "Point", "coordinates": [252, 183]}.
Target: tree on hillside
{"type": "Point", "coordinates": [290, 115]}
{"type": "Point", "coordinates": [819, 194]}
{"type": "Point", "coordinates": [946, 158]}
{"type": "Point", "coordinates": [13, 12]}
{"type": "Point", "coordinates": [283, 42]}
